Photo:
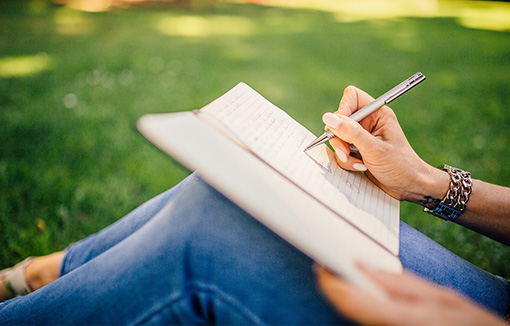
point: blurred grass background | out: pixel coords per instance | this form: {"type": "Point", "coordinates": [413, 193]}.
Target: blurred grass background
{"type": "Point", "coordinates": [72, 84]}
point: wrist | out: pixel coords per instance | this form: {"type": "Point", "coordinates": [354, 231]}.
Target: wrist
{"type": "Point", "coordinates": [454, 203]}
{"type": "Point", "coordinates": [431, 185]}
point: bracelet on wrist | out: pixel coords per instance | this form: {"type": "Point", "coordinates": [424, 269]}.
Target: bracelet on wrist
{"type": "Point", "coordinates": [454, 202]}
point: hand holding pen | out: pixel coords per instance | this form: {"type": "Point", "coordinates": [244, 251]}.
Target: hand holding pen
{"type": "Point", "coordinates": [373, 106]}
{"type": "Point", "coordinates": [388, 158]}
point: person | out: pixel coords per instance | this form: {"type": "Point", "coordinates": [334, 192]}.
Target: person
{"type": "Point", "coordinates": [191, 256]}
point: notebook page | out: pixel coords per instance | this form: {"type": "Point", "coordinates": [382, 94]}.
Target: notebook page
{"type": "Point", "coordinates": [279, 140]}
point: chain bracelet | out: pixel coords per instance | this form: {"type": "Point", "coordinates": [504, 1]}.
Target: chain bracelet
{"type": "Point", "coordinates": [457, 196]}
{"type": "Point", "coordinates": [460, 187]}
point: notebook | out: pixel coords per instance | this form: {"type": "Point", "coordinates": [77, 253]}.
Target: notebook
{"type": "Point", "coordinates": [252, 151]}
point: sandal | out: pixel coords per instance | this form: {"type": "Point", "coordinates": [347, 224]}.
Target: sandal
{"type": "Point", "coordinates": [14, 281]}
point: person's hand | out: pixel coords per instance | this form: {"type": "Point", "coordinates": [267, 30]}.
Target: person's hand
{"type": "Point", "coordinates": [387, 157]}
{"type": "Point", "coordinates": [411, 301]}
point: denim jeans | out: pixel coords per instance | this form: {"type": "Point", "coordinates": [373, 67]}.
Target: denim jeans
{"type": "Point", "coordinates": [190, 256]}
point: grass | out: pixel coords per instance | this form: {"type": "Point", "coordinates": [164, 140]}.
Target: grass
{"type": "Point", "coordinates": [72, 85]}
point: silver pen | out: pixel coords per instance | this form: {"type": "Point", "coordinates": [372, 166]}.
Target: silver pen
{"type": "Point", "coordinates": [374, 106]}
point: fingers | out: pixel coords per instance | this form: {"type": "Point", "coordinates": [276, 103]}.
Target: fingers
{"type": "Point", "coordinates": [344, 158]}
{"type": "Point", "coordinates": [358, 304]}
{"type": "Point", "coordinates": [352, 100]}
{"type": "Point", "coordinates": [348, 132]}
{"type": "Point", "coordinates": [411, 301]}
{"type": "Point", "coordinates": [405, 285]}
{"type": "Point", "coordinates": [348, 299]}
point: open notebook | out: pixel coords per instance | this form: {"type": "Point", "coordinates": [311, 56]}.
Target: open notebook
{"type": "Point", "coordinates": [252, 152]}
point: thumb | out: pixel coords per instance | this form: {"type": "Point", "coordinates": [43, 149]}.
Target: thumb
{"type": "Point", "coordinates": [349, 131]}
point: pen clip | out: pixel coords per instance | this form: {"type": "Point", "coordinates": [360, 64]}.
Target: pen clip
{"type": "Point", "coordinates": [404, 86]}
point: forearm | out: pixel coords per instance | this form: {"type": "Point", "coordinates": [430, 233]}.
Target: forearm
{"type": "Point", "coordinates": [488, 209]}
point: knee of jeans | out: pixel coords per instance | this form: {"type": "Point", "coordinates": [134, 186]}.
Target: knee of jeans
{"type": "Point", "coordinates": [202, 214]}
{"type": "Point", "coordinates": [198, 199]}
{"type": "Point", "coordinates": [211, 231]}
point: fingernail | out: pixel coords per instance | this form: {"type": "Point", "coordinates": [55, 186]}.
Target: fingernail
{"type": "Point", "coordinates": [341, 155]}
{"type": "Point", "coordinates": [359, 167]}
{"type": "Point", "coordinates": [331, 120]}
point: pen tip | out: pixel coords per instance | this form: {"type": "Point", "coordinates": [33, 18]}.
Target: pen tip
{"type": "Point", "coordinates": [309, 147]}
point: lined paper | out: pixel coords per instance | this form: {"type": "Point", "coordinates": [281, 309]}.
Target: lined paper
{"type": "Point", "coordinates": [277, 139]}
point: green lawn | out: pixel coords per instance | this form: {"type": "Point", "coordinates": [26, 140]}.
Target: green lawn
{"type": "Point", "coordinates": [72, 85]}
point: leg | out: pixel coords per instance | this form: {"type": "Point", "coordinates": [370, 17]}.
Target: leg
{"type": "Point", "coordinates": [200, 260]}
{"type": "Point", "coordinates": [43, 270]}
{"type": "Point", "coordinates": [97, 243]}
{"type": "Point", "coordinates": [432, 261]}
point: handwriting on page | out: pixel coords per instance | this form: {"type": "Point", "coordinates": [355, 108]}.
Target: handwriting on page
{"type": "Point", "coordinates": [279, 140]}
{"type": "Point", "coordinates": [271, 136]}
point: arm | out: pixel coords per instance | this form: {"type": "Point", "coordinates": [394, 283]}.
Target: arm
{"type": "Point", "coordinates": [391, 163]}
{"type": "Point", "coordinates": [488, 211]}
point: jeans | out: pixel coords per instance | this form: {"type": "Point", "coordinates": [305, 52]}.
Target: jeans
{"type": "Point", "coordinates": [190, 256]}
